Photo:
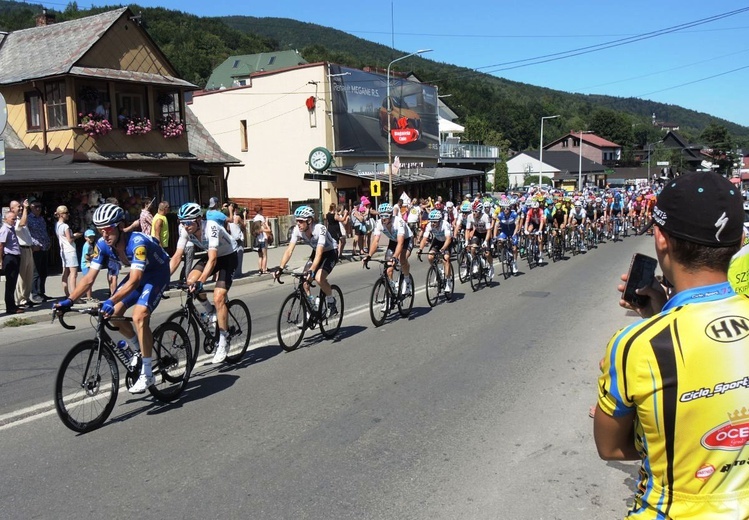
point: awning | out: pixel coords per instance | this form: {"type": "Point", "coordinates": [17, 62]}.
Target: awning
{"type": "Point", "coordinates": [47, 170]}
{"type": "Point", "coordinates": [413, 176]}
{"type": "Point", "coordinates": [447, 126]}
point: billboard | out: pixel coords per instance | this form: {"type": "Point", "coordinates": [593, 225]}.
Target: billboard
{"type": "Point", "coordinates": [360, 116]}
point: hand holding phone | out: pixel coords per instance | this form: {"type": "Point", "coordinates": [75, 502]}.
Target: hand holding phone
{"type": "Point", "coordinates": [641, 274]}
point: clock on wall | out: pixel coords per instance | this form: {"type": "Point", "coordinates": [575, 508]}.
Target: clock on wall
{"type": "Point", "coordinates": [320, 159]}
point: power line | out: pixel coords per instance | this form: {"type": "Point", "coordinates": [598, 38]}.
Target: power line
{"type": "Point", "coordinates": [695, 81]}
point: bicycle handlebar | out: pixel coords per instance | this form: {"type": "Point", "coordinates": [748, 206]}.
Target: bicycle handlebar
{"type": "Point", "coordinates": [59, 313]}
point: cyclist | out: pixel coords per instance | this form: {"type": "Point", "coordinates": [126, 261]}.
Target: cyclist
{"type": "Point", "coordinates": [479, 230]}
{"type": "Point", "coordinates": [440, 232]}
{"type": "Point", "coordinates": [534, 224]}
{"type": "Point", "coordinates": [614, 211]}
{"type": "Point", "coordinates": [507, 228]}
{"type": "Point", "coordinates": [221, 260]}
{"type": "Point", "coordinates": [577, 220]}
{"type": "Point", "coordinates": [141, 288]}
{"type": "Point", "coordinates": [323, 258]}
{"type": "Point", "coordinates": [459, 226]}
{"type": "Point", "coordinates": [400, 242]}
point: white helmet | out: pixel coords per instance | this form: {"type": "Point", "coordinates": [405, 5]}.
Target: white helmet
{"type": "Point", "coordinates": [108, 215]}
{"type": "Point", "coordinates": [189, 211]}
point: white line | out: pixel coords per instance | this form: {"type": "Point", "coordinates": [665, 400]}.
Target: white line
{"type": "Point", "coordinates": [41, 410]}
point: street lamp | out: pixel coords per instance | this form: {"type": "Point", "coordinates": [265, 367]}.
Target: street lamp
{"type": "Point", "coordinates": [390, 109]}
{"type": "Point", "coordinates": [580, 166]}
{"type": "Point", "coordinates": [541, 148]}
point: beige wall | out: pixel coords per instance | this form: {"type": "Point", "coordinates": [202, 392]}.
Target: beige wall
{"type": "Point", "coordinates": [281, 132]}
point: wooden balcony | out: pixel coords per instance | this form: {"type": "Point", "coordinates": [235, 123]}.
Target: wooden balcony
{"type": "Point", "coordinates": [117, 142]}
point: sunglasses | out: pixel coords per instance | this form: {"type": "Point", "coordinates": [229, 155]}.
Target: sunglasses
{"type": "Point", "coordinates": [188, 222]}
{"type": "Point", "coordinates": [108, 229]}
{"type": "Point", "coordinates": [301, 220]}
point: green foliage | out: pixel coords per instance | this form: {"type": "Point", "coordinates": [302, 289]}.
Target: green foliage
{"type": "Point", "coordinates": [501, 177]}
{"type": "Point", "coordinates": [485, 103]}
{"type": "Point", "coordinates": [533, 179]}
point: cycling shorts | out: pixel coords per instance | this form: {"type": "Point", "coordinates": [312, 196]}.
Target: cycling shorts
{"type": "Point", "coordinates": [329, 259]}
{"type": "Point", "coordinates": [478, 239]}
{"type": "Point", "coordinates": [438, 245]}
{"type": "Point", "coordinates": [225, 267]}
{"type": "Point", "coordinates": [513, 238]}
{"type": "Point", "coordinates": [148, 293]}
{"type": "Point", "coordinates": [408, 245]}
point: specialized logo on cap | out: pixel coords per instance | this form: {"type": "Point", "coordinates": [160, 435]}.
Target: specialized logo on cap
{"type": "Point", "coordinates": [721, 224]}
{"type": "Point", "coordinates": [659, 216]}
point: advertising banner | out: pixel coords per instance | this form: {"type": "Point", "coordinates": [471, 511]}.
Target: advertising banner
{"type": "Point", "coordinates": [360, 116]}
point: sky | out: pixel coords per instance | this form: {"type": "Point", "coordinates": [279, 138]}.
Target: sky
{"type": "Point", "coordinates": [687, 52]}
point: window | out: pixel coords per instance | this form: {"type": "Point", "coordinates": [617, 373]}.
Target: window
{"type": "Point", "coordinates": [57, 108]}
{"type": "Point", "coordinates": [169, 105]}
{"type": "Point", "coordinates": [33, 110]}
{"type": "Point", "coordinates": [175, 190]}
{"type": "Point", "coordinates": [236, 64]}
{"type": "Point", "coordinates": [272, 60]}
{"type": "Point", "coordinates": [94, 99]}
{"type": "Point", "coordinates": [129, 105]}
{"type": "Point", "coordinates": [243, 134]}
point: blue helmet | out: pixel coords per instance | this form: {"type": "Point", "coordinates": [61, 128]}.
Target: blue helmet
{"type": "Point", "coordinates": [385, 209]}
{"type": "Point", "coordinates": [435, 215]}
{"type": "Point", "coordinates": [304, 212]}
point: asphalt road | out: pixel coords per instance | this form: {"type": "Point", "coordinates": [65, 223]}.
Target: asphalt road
{"type": "Point", "coordinates": [473, 409]}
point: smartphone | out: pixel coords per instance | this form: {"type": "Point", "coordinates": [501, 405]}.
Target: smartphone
{"type": "Point", "coordinates": [641, 274]}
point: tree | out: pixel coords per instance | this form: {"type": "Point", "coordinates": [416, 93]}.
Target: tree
{"type": "Point", "coordinates": [501, 177]}
{"type": "Point", "coordinates": [720, 144]}
{"type": "Point", "coordinates": [612, 125]}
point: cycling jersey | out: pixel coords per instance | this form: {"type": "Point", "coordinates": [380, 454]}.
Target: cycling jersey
{"type": "Point", "coordinates": [397, 228]}
{"type": "Point", "coordinates": [507, 223]}
{"type": "Point", "coordinates": [438, 232]}
{"type": "Point", "coordinates": [214, 237]}
{"type": "Point", "coordinates": [578, 215]}
{"type": "Point", "coordinates": [319, 237]}
{"type": "Point", "coordinates": [481, 225]}
{"type": "Point", "coordinates": [143, 253]}
{"type": "Point", "coordinates": [535, 216]}
{"type": "Point", "coordinates": [685, 373]}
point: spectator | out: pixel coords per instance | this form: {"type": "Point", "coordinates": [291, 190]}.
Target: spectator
{"type": "Point", "coordinates": [334, 228]}
{"type": "Point", "coordinates": [236, 230]}
{"type": "Point", "coordinates": [86, 255]}
{"type": "Point", "coordinates": [68, 253]}
{"type": "Point", "coordinates": [668, 381]}
{"type": "Point", "coordinates": [10, 261]}
{"type": "Point", "coordinates": [414, 214]}
{"type": "Point", "coordinates": [260, 230]}
{"type": "Point", "coordinates": [214, 213]}
{"type": "Point", "coordinates": [26, 267]}
{"type": "Point", "coordinates": [342, 218]}
{"type": "Point", "coordinates": [41, 243]}
{"type": "Point", "coordinates": [160, 228]}
{"type": "Point", "coordinates": [144, 222]}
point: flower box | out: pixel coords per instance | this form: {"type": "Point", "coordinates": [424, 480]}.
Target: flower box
{"type": "Point", "coordinates": [137, 126]}
{"type": "Point", "coordinates": [170, 127]}
{"type": "Point", "coordinates": [94, 124]}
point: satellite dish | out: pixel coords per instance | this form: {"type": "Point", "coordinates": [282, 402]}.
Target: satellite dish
{"type": "Point", "coordinates": [3, 113]}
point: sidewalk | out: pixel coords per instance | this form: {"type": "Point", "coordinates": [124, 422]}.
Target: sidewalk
{"type": "Point", "coordinates": [100, 290]}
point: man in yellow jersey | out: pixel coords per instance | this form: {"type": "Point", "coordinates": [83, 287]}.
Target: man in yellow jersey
{"type": "Point", "coordinates": [674, 391]}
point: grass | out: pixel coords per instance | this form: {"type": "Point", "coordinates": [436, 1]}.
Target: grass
{"type": "Point", "coordinates": [18, 322]}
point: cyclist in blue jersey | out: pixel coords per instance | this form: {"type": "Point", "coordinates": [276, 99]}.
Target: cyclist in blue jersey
{"type": "Point", "coordinates": [141, 288]}
{"type": "Point", "coordinates": [508, 226]}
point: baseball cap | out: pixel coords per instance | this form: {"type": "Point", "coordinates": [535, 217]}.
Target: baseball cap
{"type": "Point", "coordinates": [213, 203]}
{"type": "Point", "coordinates": [701, 207]}
{"type": "Point", "coordinates": [89, 233]}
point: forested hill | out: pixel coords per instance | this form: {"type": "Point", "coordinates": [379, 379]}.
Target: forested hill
{"type": "Point", "coordinates": [493, 109]}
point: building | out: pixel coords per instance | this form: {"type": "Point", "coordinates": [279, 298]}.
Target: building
{"type": "Point", "coordinates": [98, 99]}
{"type": "Point", "coordinates": [235, 71]}
{"type": "Point", "coordinates": [274, 123]}
{"type": "Point", "coordinates": [594, 148]}
{"type": "Point", "coordinates": [563, 167]}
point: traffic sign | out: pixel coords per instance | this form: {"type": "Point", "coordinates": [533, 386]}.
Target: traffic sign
{"type": "Point", "coordinates": [663, 163]}
{"type": "Point", "coordinates": [374, 188]}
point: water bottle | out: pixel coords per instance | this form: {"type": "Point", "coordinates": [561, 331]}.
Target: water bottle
{"type": "Point", "coordinates": [124, 349]}
{"type": "Point", "coordinates": [311, 300]}
{"type": "Point", "coordinates": [317, 302]}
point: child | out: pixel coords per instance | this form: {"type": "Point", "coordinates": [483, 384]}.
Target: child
{"type": "Point", "coordinates": [86, 255]}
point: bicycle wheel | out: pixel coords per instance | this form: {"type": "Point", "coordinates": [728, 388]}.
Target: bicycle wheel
{"type": "Point", "coordinates": [86, 386]}
{"type": "Point", "coordinates": [379, 302]}
{"type": "Point", "coordinates": [330, 325]}
{"type": "Point", "coordinates": [193, 331]}
{"type": "Point", "coordinates": [240, 331]}
{"type": "Point", "coordinates": [464, 266]}
{"type": "Point", "coordinates": [476, 274]}
{"type": "Point", "coordinates": [292, 322]}
{"type": "Point", "coordinates": [574, 244]}
{"type": "Point", "coordinates": [432, 289]}
{"type": "Point", "coordinates": [406, 302]}
{"type": "Point", "coordinates": [451, 278]}
{"type": "Point", "coordinates": [172, 361]}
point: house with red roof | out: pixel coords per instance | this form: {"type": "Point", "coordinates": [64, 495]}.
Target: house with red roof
{"type": "Point", "coordinates": [594, 148]}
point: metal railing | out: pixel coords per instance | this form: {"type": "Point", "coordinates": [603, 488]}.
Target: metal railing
{"type": "Point", "coordinates": [468, 150]}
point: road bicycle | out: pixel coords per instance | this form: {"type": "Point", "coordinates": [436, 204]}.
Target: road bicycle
{"type": "Point", "coordinates": [436, 285]}
{"type": "Point", "coordinates": [298, 313]}
{"type": "Point", "coordinates": [506, 256]}
{"type": "Point", "coordinates": [88, 379]}
{"type": "Point", "coordinates": [480, 266]}
{"type": "Point", "coordinates": [556, 244]}
{"type": "Point", "coordinates": [388, 294]}
{"type": "Point", "coordinates": [459, 243]}
{"type": "Point", "coordinates": [533, 249]}
{"type": "Point", "coordinates": [617, 227]}
{"type": "Point", "coordinates": [465, 257]}
{"type": "Point", "coordinates": [194, 322]}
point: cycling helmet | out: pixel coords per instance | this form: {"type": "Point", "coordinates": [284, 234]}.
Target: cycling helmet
{"type": "Point", "coordinates": [578, 204]}
{"type": "Point", "coordinates": [504, 203]}
{"type": "Point", "coordinates": [487, 205]}
{"type": "Point", "coordinates": [108, 215]}
{"type": "Point", "coordinates": [477, 206]}
{"type": "Point", "coordinates": [189, 211]}
{"type": "Point", "coordinates": [435, 215]}
{"type": "Point", "coordinates": [465, 207]}
{"type": "Point", "coordinates": [305, 212]}
{"type": "Point", "coordinates": [534, 204]}
{"type": "Point", "coordinates": [449, 204]}
{"type": "Point", "coordinates": [385, 209]}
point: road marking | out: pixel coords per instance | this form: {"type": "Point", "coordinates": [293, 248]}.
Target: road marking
{"type": "Point", "coordinates": [41, 410]}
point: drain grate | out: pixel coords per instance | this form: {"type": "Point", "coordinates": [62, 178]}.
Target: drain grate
{"type": "Point", "coordinates": [535, 294]}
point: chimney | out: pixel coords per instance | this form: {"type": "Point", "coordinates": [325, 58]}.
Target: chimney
{"type": "Point", "coordinates": [45, 19]}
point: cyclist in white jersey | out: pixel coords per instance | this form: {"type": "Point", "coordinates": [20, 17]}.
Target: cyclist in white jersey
{"type": "Point", "coordinates": [400, 242]}
{"type": "Point", "coordinates": [324, 253]}
{"type": "Point", "coordinates": [440, 232]}
{"type": "Point", "coordinates": [221, 260]}
{"type": "Point", "coordinates": [479, 232]}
